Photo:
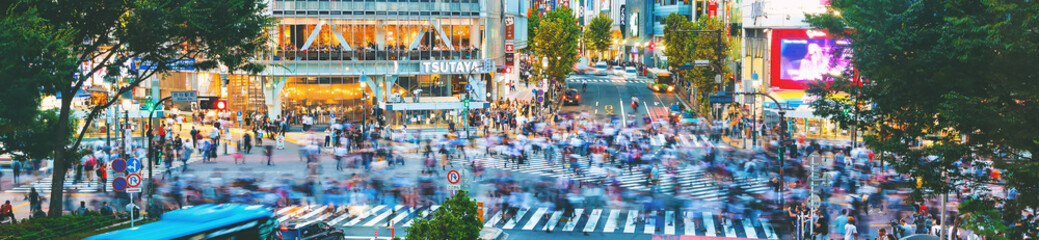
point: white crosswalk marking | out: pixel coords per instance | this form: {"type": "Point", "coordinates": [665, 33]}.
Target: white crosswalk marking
{"type": "Point", "coordinates": [690, 181]}
{"type": "Point", "coordinates": [669, 223]}
{"type": "Point", "coordinates": [658, 222]}
{"type": "Point", "coordinates": [611, 221]}
{"type": "Point", "coordinates": [424, 214]}
{"type": "Point", "coordinates": [552, 221]}
{"type": "Point", "coordinates": [629, 225]}
{"type": "Point", "coordinates": [314, 212]}
{"type": "Point", "coordinates": [727, 225]}
{"type": "Point", "coordinates": [400, 216]}
{"type": "Point", "coordinates": [512, 222]}
{"type": "Point", "coordinates": [593, 219]}
{"type": "Point", "coordinates": [651, 223]}
{"type": "Point", "coordinates": [383, 215]}
{"type": "Point", "coordinates": [493, 220]}
{"type": "Point", "coordinates": [748, 228]}
{"type": "Point", "coordinates": [363, 216]}
{"type": "Point", "coordinates": [769, 233]}
{"type": "Point", "coordinates": [338, 219]}
{"type": "Point", "coordinates": [689, 223]}
{"type": "Point", "coordinates": [572, 222]}
{"type": "Point", "coordinates": [534, 219]}
{"type": "Point", "coordinates": [290, 213]}
{"type": "Point", "coordinates": [708, 222]}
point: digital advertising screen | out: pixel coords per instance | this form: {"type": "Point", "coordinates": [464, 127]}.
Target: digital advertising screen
{"type": "Point", "coordinates": [800, 56]}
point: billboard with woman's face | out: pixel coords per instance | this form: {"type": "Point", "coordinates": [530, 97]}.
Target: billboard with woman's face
{"type": "Point", "coordinates": [800, 56]}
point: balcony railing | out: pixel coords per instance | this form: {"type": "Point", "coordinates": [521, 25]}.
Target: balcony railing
{"type": "Point", "coordinates": [373, 55]}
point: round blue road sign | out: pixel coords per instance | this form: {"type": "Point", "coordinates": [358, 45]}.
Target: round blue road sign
{"type": "Point", "coordinates": [119, 184]}
{"type": "Point", "coordinates": [118, 165]}
{"type": "Point", "coordinates": [133, 165]}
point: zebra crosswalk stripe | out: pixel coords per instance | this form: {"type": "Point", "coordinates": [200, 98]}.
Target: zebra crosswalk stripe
{"type": "Point", "coordinates": [534, 219]}
{"type": "Point", "coordinates": [593, 219]}
{"type": "Point", "coordinates": [571, 222]}
{"type": "Point", "coordinates": [382, 216]}
{"type": "Point", "coordinates": [669, 223]}
{"type": "Point", "coordinates": [364, 215]}
{"type": "Point", "coordinates": [651, 223]}
{"type": "Point", "coordinates": [552, 221]}
{"type": "Point", "coordinates": [629, 226]}
{"type": "Point", "coordinates": [708, 222]}
{"type": "Point", "coordinates": [512, 222]}
{"type": "Point", "coordinates": [611, 221]}
{"type": "Point", "coordinates": [586, 220]}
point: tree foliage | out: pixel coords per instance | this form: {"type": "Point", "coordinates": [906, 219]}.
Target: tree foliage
{"type": "Point", "coordinates": [533, 21]}
{"type": "Point", "coordinates": [26, 132]}
{"type": "Point", "coordinates": [598, 34]}
{"type": "Point", "coordinates": [683, 47]}
{"type": "Point", "coordinates": [961, 75]}
{"type": "Point", "coordinates": [102, 38]}
{"type": "Point", "coordinates": [455, 219]}
{"type": "Point", "coordinates": [556, 39]}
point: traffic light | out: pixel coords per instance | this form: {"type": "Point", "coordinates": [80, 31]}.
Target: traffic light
{"type": "Point", "coordinates": [508, 69]}
{"type": "Point", "coordinates": [732, 78]}
{"type": "Point", "coordinates": [220, 104]}
{"type": "Point", "coordinates": [651, 46]}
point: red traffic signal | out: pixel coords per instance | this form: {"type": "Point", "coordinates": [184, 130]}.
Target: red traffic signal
{"type": "Point", "coordinates": [220, 105]}
{"type": "Point", "coordinates": [508, 69]}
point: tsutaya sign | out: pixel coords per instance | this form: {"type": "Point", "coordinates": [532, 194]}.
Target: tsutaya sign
{"type": "Point", "coordinates": [458, 67]}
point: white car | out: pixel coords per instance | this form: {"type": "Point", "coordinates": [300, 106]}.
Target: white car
{"type": "Point", "coordinates": [630, 73]}
{"type": "Point", "coordinates": [617, 70]}
{"type": "Point", "coordinates": [601, 69]}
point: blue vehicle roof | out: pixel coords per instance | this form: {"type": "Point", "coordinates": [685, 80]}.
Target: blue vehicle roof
{"type": "Point", "coordinates": [189, 221]}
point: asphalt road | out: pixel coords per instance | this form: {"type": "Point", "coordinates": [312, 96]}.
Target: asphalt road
{"type": "Point", "coordinates": [605, 92]}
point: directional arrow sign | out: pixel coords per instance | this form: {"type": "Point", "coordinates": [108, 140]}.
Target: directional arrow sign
{"type": "Point", "coordinates": [133, 165]}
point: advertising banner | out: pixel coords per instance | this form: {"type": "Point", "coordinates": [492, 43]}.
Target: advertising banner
{"type": "Point", "coordinates": [803, 55]}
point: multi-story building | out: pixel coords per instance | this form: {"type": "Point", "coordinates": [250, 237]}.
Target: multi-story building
{"type": "Point", "coordinates": [415, 59]}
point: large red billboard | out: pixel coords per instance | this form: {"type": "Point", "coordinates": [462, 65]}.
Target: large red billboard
{"type": "Point", "coordinates": [800, 56]}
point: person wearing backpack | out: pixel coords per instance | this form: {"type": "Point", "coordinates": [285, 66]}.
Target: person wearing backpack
{"type": "Point", "coordinates": [102, 174]}
{"type": "Point", "coordinates": [88, 167]}
{"type": "Point", "coordinates": [106, 210]}
{"type": "Point", "coordinates": [7, 211]}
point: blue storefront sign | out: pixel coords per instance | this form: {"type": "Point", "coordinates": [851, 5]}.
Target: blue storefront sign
{"type": "Point", "coordinates": [180, 65]}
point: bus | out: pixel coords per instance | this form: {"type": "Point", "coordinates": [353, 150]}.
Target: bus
{"type": "Point", "coordinates": [208, 221]}
{"type": "Point", "coordinates": [661, 80]}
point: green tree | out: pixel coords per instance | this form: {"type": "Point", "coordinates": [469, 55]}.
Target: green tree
{"type": "Point", "coordinates": [102, 37]}
{"type": "Point", "coordinates": [26, 132]}
{"type": "Point", "coordinates": [686, 47]}
{"type": "Point", "coordinates": [556, 40]}
{"type": "Point", "coordinates": [598, 34]}
{"type": "Point", "coordinates": [959, 74]}
{"type": "Point", "coordinates": [533, 21]}
{"type": "Point", "coordinates": [455, 219]}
